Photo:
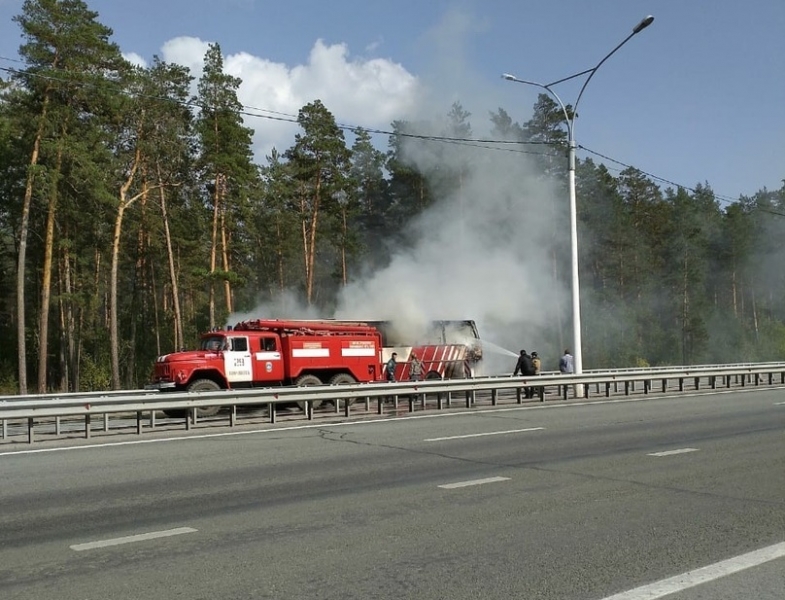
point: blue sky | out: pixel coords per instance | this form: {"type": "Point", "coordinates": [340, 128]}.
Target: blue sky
{"type": "Point", "coordinates": [697, 97]}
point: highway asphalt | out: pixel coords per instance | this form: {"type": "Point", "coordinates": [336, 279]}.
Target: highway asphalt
{"type": "Point", "coordinates": [584, 501]}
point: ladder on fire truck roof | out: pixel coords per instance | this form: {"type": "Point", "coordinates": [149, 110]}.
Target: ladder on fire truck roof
{"type": "Point", "coordinates": [305, 327]}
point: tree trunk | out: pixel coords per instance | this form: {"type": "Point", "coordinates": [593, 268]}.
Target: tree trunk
{"type": "Point", "coordinates": [312, 240]}
{"type": "Point", "coordinates": [21, 334]}
{"type": "Point", "coordinates": [124, 203]}
{"type": "Point", "coordinates": [214, 246]}
{"type": "Point", "coordinates": [69, 341]}
{"type": "Point", "coordinates": [225, 259]}
{"type": "Point", "coordinates": [46, 275]}
{"type": "Point", "coordinates": [178, 317]}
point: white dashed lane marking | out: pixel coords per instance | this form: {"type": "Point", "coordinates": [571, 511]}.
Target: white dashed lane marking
{"type": "Point", "coordinates": [460, 484]}
{"type": "Point", "coordinates": [672, 452]}
{"type": "Point", "coordinates": [474, 435]}
{"type": "Point", "coordinates": [671, 585]}
{"type": "Point", "coordinates": [132, 538]}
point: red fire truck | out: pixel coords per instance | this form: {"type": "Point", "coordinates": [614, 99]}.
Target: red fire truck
{"type": "Point", "coordinates": [263, 353]}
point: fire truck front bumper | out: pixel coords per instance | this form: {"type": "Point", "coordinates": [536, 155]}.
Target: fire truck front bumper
{"type": "Point", "coordinates": [161, 385]}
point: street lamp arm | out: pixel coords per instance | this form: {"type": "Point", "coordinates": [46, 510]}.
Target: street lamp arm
{"type": "Point", "coordinates": [645, 22]}
{"type": "Point", "coordinates": [547, 88]}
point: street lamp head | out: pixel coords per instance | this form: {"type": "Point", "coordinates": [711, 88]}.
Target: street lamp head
{"type": "Point", "coordinates": [509, 77]}
{"type": "Point", "coordinates": [643, 24]}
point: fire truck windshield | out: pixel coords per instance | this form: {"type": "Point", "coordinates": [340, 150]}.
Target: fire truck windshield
{"type": "Point", "coordinates": [212, 343]}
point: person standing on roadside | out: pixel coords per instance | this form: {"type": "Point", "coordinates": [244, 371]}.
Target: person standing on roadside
{"type": "Point", "coordinates": [389, 368]}
{"type": "Point", "coordinates": [566, 363]}
{"type": "Point", "coordinates": [566, 366]}
{"type": "Point", "coordinates": [415, 368]}
{"type": "Point", "coordinates": [536, 362]}
{"type": "Point", "coordinates": [524, 365]}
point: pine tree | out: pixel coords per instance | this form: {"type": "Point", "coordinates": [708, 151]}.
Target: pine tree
{"type": "Point", "coordinates": [225, 163]}
{"type": "Point", "coordinates": [320, 163]}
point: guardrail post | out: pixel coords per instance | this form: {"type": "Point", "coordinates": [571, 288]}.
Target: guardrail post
{"type": "Point", "coordinates": [57, 427]}
{"type": "Point", "coordinates": [449, 399]}
{"type": "Point", "coordinates": [626, 388]}
{"type": "Point", "coordinates": [518, 395]}
{"type": "Point", "coordinates": [271, 411]}
{"type": "Point", "coordinates": [30, 423]}
{"type": "Point", "coordinates": [152, 419]}
{"type": "Point", "coordinates": [664, 385]}
{"type": "Point", "coordinates": [380, 407]}
{"type": "Point", "coordinates": [782, 377]}
{"type": "Point", "coordinates": [468, 399]}
{"type": "Point", "coordinates": [346, 409]}
{"type": "Point", "coordinates": [541, 392]}
{"type": "Point", "coordinates": [188, 412]}
{"type": "Point", "coordinates": [395, 402]}
{"type": "Point", "coordinates": [681, 384]}
{"type": "Point", "coordinates": [771, 378]}
{"type": "Point", "coordinates": [713, 382]}
{"type": "Point", "coordinates": [646, 387]}
{"type": "Point", "coordinates": [367, 404]}
{"type": "Point", "coordinates": [87, 426]}
{"type": "Point", "coordinates": [564, 392]}
{"type": "Point", "coordinates": [106, 421]}
{"type": "Point", "coordinates": [5, 429]}
{"type": "Point", "coordinates": [607, 389]}
{"type": "Point", "coordinates": [138, 422]}
{"type": "Point", "coordinates": [494, 396]}
{"type": "Point", "coordinates": [697, 383]}
{"type": "Point", "coordinates": [743, 381]}
{"type": "Point", "coordinates": [233, 415]}
{"type": "Point", "coordinates": [423, 401]}
{"type": "Point", "coordinates": [309, 409]}
{"type": "Point", "coordinates": [757, 379]}
{"type": "Point", "coordinates": [439, 401]}
{"type": "Point", "coordinates": [411, 403]}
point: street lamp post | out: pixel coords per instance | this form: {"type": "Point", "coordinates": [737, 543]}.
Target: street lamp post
{"type": "Point", "coordinates": [571, 145]}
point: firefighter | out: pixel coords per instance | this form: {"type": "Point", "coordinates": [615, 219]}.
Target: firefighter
{"type": "Point", "coordinates": [389, 368]}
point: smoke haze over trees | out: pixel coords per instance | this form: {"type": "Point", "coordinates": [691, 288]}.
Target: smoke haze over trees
{"type": "Point", "coordinates": [133, 217]}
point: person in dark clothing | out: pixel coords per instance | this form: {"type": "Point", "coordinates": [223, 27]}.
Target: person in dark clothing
{"type": "Point", "coordinates": [526, 368]}
{"type": "Point", "coordinates": [389, 368]}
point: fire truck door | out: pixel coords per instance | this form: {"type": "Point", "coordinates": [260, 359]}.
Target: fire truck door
{"type": "Point", "coordinates": [237, 361]}
{"type": "Point", "coordinates": [268, 359]}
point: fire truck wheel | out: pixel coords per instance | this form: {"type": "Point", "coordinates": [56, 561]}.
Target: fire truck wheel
{"type": "Point", "coordinates": [308, 380]}
{"type": "Point", "coordinates": [432, 375]}
{"type": "Point", "coordinates": [205, 385]}
{"type": "Point", "coordinates": [343, 379]}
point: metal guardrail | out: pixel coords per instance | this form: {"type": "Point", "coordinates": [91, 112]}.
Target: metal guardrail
{"type": "Point", "coordinates": [140, 402]}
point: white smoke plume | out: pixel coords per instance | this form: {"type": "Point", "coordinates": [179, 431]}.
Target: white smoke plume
{"type": "Point", "coordinates": [482, 254]}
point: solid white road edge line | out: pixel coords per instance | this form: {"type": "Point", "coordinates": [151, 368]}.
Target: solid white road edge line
{"type": "Point", "coordinates": [672, 452]}
{"type": "Point", "coordinates": [671, 585]}
{"type": "Point", "coordinates": [460, 484]}
{"type": "Point", "coordinates": [132, 538]}
{"type": "Point", "coordinates": [473, 435]}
